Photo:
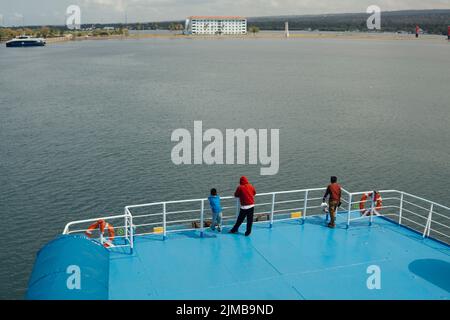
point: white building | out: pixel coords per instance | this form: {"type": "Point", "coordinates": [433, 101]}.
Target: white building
{"type": "Point", "coordinates": [216, 25]}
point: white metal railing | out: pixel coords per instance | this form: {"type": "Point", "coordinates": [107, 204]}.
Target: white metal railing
{"type": "Point", "coordinates": [127, 227]}
{"type": "Point", "coordinates": [265, 208]}
{"type": "Point", "coordinates": [418, 213]}
{"type": "Point", "coordinates": [162, 218]}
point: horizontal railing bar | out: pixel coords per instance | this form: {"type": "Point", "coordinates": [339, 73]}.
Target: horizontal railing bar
{"type": "Point", "coordinates": [145, 233]}
{"type": "Point", "coordinates": [148, 215]}
{"type": "Point", "coordinates": [416, 205]}
{"type": "Point", "coordinates": [185, 220]}
{"type": "Point", "coordinates": [66, 228]}
{"type": "Point", "coordinates": [423, 199]}
{"type": "Point", "coordinates": [443, 234]}
{"type": "Point", "coordinates": [413, 213]}
{"type": "Point", "coordinates": [284, 210]}
{"type": "Point", "coordinates": [262, 204]}
{"type": "Point", "coordinates": [404, 218]}
{"type": "Point", "coordinates": [368, 200]}
{"type": "Point", "coordinates": [291, 191]}
{"type": "Point", "coordinates": [224, 208]}
{"type": "Point", "coordinates": [147, 224]}
{"type": "Point", "coordinates": [183, 211]}
{"type": "Point", "coordinates": [438, 223]}
{"type": "Point", "coordinates": [380, 191]}
{"type": "Point", "coordinates": [289, 201]}
{"type": "Point", "coordinates": [84, 230]}
{"type": "Point", "coordinates": [441, 215]}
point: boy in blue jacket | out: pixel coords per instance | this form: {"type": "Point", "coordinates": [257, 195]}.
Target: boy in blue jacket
{"type": "Point", "coordinates": [214, 202]}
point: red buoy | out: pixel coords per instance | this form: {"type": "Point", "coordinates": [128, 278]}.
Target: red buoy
{"type": "Point", "coordinates": [448, 33]}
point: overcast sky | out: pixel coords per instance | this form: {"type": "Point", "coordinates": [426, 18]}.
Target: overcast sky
{"type": "Point", "coordinates": [48, 12]}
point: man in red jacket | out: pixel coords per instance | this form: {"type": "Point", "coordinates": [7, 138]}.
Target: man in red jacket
{"type": "Point", "coordinates": [334, 192]}
{"type": "Point", "coordinates": [246, 194]}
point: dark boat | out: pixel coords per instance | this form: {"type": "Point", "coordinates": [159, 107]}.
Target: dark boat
{"type": "Point", "coordinates": [26, 41]}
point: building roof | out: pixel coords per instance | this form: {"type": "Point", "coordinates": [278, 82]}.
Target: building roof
{"type": "Point", "coordinates": [217, 17]}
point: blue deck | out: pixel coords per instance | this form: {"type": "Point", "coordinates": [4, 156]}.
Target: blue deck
{"type": "Point", "coordinates": [289, 261]}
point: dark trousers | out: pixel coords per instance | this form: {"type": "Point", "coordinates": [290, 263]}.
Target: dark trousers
{"type": "Point", "coordinates": [244, 213]}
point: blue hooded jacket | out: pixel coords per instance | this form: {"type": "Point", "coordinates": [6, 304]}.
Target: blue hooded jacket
{"type": "Point", "coordinates": [214, 202]}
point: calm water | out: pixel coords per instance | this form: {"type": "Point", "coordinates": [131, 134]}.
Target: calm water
{"type": "Point", "coordinates": [85, 127]}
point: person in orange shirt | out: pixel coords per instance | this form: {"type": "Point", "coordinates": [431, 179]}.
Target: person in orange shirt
{"type": "Point", "coordinates": [334, 194]}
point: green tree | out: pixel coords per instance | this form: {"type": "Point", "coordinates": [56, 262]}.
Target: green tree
{"type": "Point", "coordinates": [253, 29]}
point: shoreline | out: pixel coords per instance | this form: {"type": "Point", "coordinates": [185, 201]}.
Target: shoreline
{"type": "Point", "coordinates": [265, 35]}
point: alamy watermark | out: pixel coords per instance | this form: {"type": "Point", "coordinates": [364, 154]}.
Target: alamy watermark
{"type": "Point", "coordinates": [74, 279]}
{"type": "Point", "coordinates": [235, 152]}
{"type": "Point", "coordinates": [374, 21]}
{"type": "Point", "coordinates": [374, 279]}
{"type": "Point", "coordinates": [73, 17]}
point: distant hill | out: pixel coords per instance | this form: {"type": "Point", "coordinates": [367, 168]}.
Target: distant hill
{"type": "Point", "coordinates": [431, 21]}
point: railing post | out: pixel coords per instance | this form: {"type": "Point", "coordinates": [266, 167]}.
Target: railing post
{"type": "Point", "coordinates": [372, 208]}
{"type": "Point", "coordinates": [426, 232]}
{"type": "Point", "coordinates": [202, 223]}
{"type": "Point", "coordinates": [400, 213]}
{"type": "Point", "coordinates": [305, 205]}
{"type": "Point", "coordinates": [164, 221]}
{"type": "Point", "coordinates": [126, 223]}
{"type": "Point", "coordinates": [131, 233]}
{"type": "Point", "coordinates": [349, 209]}
{"type": "Point", "coordinates": [272, 209]}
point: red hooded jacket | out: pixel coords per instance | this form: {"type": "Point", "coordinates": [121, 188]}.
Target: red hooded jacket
{"type": "Point", "coordinates": [245, 192]}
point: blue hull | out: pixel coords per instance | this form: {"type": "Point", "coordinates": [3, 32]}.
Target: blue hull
{"type": "Point", "coordinates": [25, 44]}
